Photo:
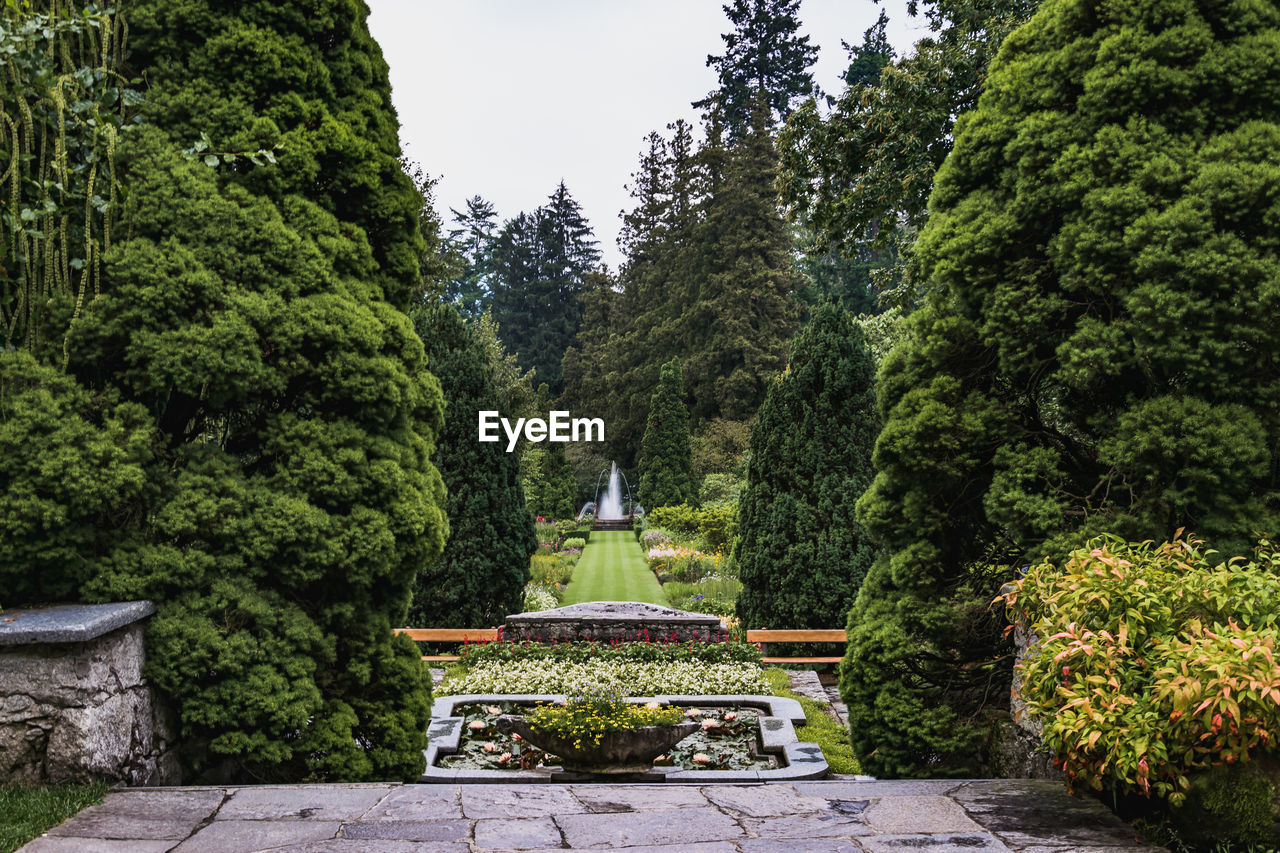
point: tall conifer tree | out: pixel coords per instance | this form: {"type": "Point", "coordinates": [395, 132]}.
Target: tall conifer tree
{"type": "Point", "coordinates": [800, 552]}
{"type": "Point", "coordinates": [765, 59]}
{"type": "Point", "coordinates": [666, 463]}
{"type": "Point", "coordinates": [480, 576]}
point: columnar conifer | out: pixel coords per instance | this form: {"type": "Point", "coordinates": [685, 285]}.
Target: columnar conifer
{"type": "Point", "coordinates": [800, 552]}
{"type": "Point", "coordinates": [480, 576]}
{"type": "Point", "coordinates": [666, 463]}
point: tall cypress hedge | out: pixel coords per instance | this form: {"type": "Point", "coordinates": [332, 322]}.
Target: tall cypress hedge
{"type": "Point", "coordinates": [1097, 353]}
{"type": "Point", "coordinates": [246, 377]}
{"type": "Point", "coordinates": [480, 576]}
{"type": "Point", "coordinates": [800, 552]}
{"type": "Point", "coordinates": [666, 458]}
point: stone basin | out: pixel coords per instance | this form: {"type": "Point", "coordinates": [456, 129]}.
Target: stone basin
{"type": "Point", "coordinates": [778, 718]}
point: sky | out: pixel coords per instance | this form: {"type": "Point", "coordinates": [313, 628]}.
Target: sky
{"type": "Point", "coordinates": [504, 98]}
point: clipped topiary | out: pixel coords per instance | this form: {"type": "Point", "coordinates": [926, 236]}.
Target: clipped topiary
{"type": "Point", "coordinates": [800, 552]}
{"type": "Point", "coordinates": [1096, 352]}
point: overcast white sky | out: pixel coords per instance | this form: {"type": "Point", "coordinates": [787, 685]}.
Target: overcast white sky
{"type": "Point", "coordinates": [503, 98]}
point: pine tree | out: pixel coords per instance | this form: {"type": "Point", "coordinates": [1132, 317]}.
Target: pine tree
{"type": "Point", "coordinates": [473, 240]}
{"type": "Point", "coordinates": [800, 552]}
{"type": "Point", "coordinates": [479, 578]}
{"type": "Point", "coordinates": [1096, 352]}
{"type": "Point", "coordinates": [253, 310]}
{"type": "Point", "coordinates": [542, 262]}
{"type": "Point", "coordinates": [666, 462]}
{"type": "Point", "coordinates": [764, 58]}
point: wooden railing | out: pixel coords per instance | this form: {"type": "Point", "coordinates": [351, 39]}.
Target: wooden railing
{"type": "Point", "coordinates": [764, 637]}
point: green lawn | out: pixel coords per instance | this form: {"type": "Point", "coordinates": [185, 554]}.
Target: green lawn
{"type": "Point", "coordinates": [27, 812]}
{"type": "Point", "coordinates": [613, 568]}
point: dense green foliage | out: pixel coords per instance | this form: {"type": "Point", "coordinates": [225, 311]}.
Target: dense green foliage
{"type": "Point", "coordinates": [551, 491]}
{"type": "Point", "coordinates": [765, 59]}
{"type": "Point", "coordinates": [1151, 663]}
{"type": "Point", "coordinates": [709, 278]}
{"type": "Point", "coordinates": [479, 578]}
{"type": "Point", "coordinates": [1095, 352]}
{"type": "Point", "coordinates": [252, 396]}
{"type": "Point", "coordinates": [800, 552]}
{"type": "Point", "coordinates": [542, 262]}
{"type": "Point", "coordinates": [666, 466]}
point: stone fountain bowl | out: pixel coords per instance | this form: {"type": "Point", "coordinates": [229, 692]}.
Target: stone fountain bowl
{"type": "Point", "coordinates": [629, 751]}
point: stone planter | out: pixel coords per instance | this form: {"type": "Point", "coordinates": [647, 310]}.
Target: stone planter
{"type": "Point", "coordinates": [629, 751]}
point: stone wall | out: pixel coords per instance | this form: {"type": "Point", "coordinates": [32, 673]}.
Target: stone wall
{"type": "Point", "coordinates": [1017, 750]}
{"type": "Point", "coordinates": [75, 707]}
{"type": "Point", "coordinates": [609, 621]}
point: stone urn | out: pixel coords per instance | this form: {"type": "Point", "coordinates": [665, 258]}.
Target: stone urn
{"type": "Point", "coordinates": [627, 751]}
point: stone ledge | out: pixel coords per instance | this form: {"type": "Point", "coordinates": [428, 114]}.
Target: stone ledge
{"type": "Point", "coordinates": [68, 623]}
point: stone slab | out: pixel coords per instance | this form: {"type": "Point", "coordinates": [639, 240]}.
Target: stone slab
{"type": "Point", "coordinates": [612, 620]}
{"type": "Point", "coordinates": [919, 815]}
{"type": "Point", "coordinates": [360, 845]}
{"type": "Point", "coordinates": [517, 833]}
{"type": "Point", "coordinates": [68, 623]}
{"type": "Point", "coordinates": [764, 800]}
{"type": "Point", "coordinates": [862, 789]}
{"type": "Point", "coordinates": [968, 842]}
{"type": "Point", "coordinates": [302, 802]}
{"type": "Point", "coordinates": [1039, 813]}
{"type": "Point", "coordinates": [147, 815]}
{"type": "Point", "coordinates": [56, 844]}
{"type": "Point", "coordinates": [825, 825]}
{"type": "Point", "coordinates": [239, 836]}
{"type": "Point", "coordinates": [409, 830]}
{"type": "Point", "coordinates": [614, 799]}
{"type": "Point", "coordinates": [681, 827]}
{"type": "Point", "coordinates": [519, 800]}
{"type": "Point", "coordinates": [418, 802]}
{"type": "Point", "coordinates": [798, 845]}
{"type": "Point", "coordinates": [703, 847]}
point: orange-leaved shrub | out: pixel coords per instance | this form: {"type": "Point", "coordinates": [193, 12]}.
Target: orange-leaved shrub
{"type": "Point", "coordinates": [1149, 662]}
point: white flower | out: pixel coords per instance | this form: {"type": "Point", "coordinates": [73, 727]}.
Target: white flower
{"type": "Point", "coordinates": [490, 746]}
{"type": "Point", "coordinates": [476, 725]}
{"type": "Point", "coordinates": [701, 758]}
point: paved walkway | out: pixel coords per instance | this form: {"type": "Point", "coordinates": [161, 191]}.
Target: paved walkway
{"type": "Point", "coordinates": [613, 568]}
{"type": "Point", "coordinates": [797, 817]}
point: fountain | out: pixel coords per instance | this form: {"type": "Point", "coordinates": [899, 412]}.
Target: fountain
{"type": "Point", "coordinates": [609, 506]}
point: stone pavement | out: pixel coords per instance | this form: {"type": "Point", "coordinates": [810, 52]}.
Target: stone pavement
{"type": "Point", "coordinates": [795, 817]}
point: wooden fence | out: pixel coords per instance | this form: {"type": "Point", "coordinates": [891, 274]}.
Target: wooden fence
{"type": "Point", "coordinates": [764, 637]}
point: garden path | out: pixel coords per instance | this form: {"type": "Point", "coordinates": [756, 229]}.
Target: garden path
{"type": "Point", "coordinates": [613, 568]}
{"type": "Point", "coordinates": [849, 816]}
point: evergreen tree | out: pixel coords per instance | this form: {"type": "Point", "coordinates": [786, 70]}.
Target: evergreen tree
{"type": "Point", "coordinates": [1096, 352]}
{"type": "Point", "coordinates": [666, 461]}
{"type": "Point", "coordinates": [764, 59]}
{"type": "Point", "coordinates": [550, 487]}
{"type": "Point", "coordinates": [473, 240]}
{"type": "Point", "coordinates": [868, 59]}
{"type": "Point", "coordinates": [740, 313]}
{"type": "Point", "coordinates": [480, 576]}
{"type": "Point", "coordinates": [800, 552]}
{"type": "Point", "coordinates": [542, 262]}
{"type": "Point", "coordinates": [253, 310]}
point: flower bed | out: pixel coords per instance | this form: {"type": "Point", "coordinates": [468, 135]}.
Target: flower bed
{"type": "Point", "coordinates": [624, 677]}
{"type": "Point", "coordinates": [653, 651]}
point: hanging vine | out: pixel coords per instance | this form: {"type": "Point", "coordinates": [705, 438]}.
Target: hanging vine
{"type": "Point", "coordinates": [63, 107]}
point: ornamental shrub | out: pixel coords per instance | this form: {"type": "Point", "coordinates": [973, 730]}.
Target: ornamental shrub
{"type": "Point", "coordinates": [1096, 351]}
{"type": "Point", "coordinates": [480, 576]}
{"type": "Point", "coordinates": [248, 384]}
{"type": "Point", "coordinates": [1151, 662]}
{"type": "Point", "coordinates": [574, 542]}
{"type": "Point", "coordinates": [800, 553]}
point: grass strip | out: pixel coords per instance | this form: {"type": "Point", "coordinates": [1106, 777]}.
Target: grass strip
{"type": "Point", "coordinates": [613, 568]}
{"type": "Point", "coordinates": [820, 727]}
{"type": "Point", "coordinates": [28, 811]}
